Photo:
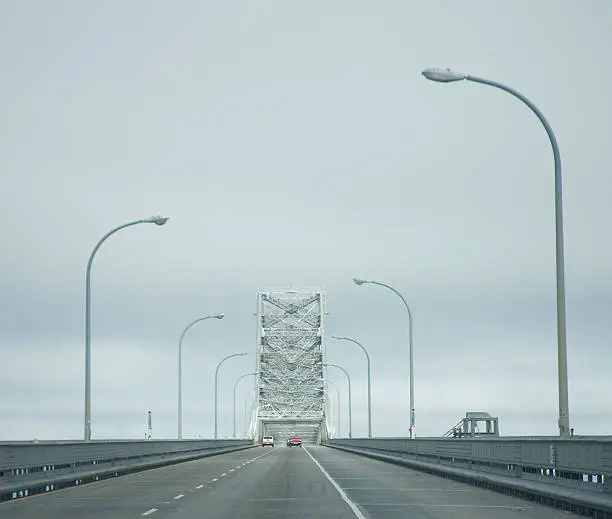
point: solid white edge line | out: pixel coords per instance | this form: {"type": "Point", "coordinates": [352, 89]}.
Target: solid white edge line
{"type": "Point", "coordinates": [343, 495]}
{"type": "Point", "coordinates": [149, 512]}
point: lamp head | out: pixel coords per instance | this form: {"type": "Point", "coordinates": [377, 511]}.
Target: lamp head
{"type": "Point", "coordinates": [157, 220]}
{"type": "Point", "coordinates": [441, 75]}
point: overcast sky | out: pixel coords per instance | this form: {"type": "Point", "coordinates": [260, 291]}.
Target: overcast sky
{"type": "Point", "coordinates": [296, 144]}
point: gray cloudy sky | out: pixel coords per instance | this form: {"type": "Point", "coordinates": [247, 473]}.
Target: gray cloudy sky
{"type": "Point", "coordinates": [296, 144]}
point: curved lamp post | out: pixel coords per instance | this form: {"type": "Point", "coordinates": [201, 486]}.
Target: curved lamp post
{"type": "Point", "coordinates": [180, 369]}
{"type": "Point", "coordinates": [337, 404]}
{"type": "Point", "coordinates": [369, 380]}
{"type": "Point", "coordinates": [235, 386]}
{"type": "Point", "coordinates": [410, 346]}
{"type": "Point", "coordinates": [251, 395]}
{"type": "Point", "coordinates": [253, 422]}
{"type": "Point", "coordinates": [330, 404]}
{"type": "Point", "coordinates": [448, 76]}
{"type": "Point", "coordinates": [157, 220]}
{"type": "Point", "coordinates": [217, 383]}
{"type": "Point", "coordinates": [348, 379]}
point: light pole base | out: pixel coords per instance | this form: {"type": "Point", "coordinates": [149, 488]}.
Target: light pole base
{"type": "Point", "coordinates": [564, 428]}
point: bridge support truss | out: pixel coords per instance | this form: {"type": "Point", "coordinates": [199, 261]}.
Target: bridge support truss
{"type": "Point", "coordinates": [290, 358]}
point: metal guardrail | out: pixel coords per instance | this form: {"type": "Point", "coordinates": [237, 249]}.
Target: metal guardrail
{"type": "Point", "coordinates": [582, 463]}
{"type": "Point", "coordinates": [574, 473]}
{"type": "Point", "coordinates": [28, 468]}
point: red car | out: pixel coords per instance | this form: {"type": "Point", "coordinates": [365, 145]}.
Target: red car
{"type": "Point", "coordinates": [294, 441]}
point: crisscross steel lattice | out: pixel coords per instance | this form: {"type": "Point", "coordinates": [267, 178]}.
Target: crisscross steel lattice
{"type": "Point", "coordinates": [290, 357]}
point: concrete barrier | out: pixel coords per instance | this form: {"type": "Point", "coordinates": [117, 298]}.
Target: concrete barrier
{"type": "Point", "coordinates": [28, 468]}
{"type": "Point", "coordinates": [571, 474]}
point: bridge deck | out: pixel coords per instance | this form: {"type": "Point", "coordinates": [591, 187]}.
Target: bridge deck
{"type": "Point", "coordinates": [277, 483]}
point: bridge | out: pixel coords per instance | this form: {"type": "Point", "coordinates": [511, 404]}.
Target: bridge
{"type": "Point", "coordinates": [469, 471]}
{"type": "Point", "coordinates": [290, 371]}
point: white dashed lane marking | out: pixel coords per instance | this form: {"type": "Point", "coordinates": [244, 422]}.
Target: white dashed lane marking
{"type": "Point", "coordinates": [180, 496]}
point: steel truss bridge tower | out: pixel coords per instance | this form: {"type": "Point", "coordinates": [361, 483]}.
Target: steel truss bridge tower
{"type": "Point", "coordinates": [290, 358]}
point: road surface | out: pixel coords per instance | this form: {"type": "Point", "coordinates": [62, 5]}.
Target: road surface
{"type": "Point", "coordinates": [281, 482]}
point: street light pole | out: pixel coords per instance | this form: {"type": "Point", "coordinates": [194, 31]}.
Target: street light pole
{"type": "Point", "coordinates": [217, 383]}
{"type": "Point", "coordinates": [410, 347]}
{"type": "Point", "coordinates": [369, 379]}
{"type": "Point", "coordinates": [350, 405]}
{"type": "Point", "coordinates": [235, 386]}
{"type": "Point", "coordinates": [180, 370]}
{"type": "Point", "coordinates": [447, 76]}
{"type": "Point", "coordinates": [337, 404]}
{"type": "Point", "coordinates": [246, 418]}
{"type": "Point", "coordinates": [332, 411]}
{"type": "Point", "coordinates": [158, 220]}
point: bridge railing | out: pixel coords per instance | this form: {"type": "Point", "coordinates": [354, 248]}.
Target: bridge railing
{"type": "Point", "coordinates": [579, 463]}
{"type": "Point", "coordinates": [28, 468]}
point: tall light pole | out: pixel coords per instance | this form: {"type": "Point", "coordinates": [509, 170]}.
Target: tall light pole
{"type": "Point", "coordinates": [235, 386]}
{"type": "Point", "coordinates": [330, 404]}
{"type": "Point", "coordinates": [348, 379]}
{"type": "Point", "coordinates": [337, 403]}
{"type": "Point", "coordinates": [410, 346]}
{"type": "Point", "coordinates": [217, 383]}
{"type": "Point", "coordinates": [250, 395]}
{"type": "Point", "coordinates": [369, 379]}
{"type": "Point", "coordinates": [253, 422]}
{"type": "Point", "coordinates": [180, 369]}
{"type": "Point", "coordinates": [157, 220]}
{"type": "Point", "coordinates": [448, 76]}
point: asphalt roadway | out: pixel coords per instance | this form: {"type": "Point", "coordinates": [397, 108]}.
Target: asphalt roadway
{"type": "Point", "coordinates": [258, 483]}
